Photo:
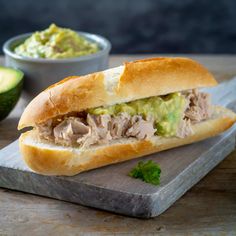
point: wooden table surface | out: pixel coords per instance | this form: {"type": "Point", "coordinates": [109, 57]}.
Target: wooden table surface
{"type": "Point", "coordinates": [209, 208]}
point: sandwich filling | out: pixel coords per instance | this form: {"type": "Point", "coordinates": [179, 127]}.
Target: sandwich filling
{"type": "Point", "coordinates": [171, 115]}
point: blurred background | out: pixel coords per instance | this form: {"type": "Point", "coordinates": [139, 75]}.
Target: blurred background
{"type": "Point", "coordinates": [133, 26]}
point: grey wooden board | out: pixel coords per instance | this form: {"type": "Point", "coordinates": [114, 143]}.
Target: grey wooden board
{"type": "Point", "coordinates": [110, 188]}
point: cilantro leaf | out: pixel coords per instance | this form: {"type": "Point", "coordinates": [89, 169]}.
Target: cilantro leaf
{"type": "Point", "coordinates": [149, 172]}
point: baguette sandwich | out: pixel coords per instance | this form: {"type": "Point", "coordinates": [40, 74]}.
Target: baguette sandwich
{"type": "Point", "coordinates": [142, 107]}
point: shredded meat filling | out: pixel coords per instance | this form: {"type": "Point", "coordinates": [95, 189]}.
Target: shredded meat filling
{"type": "Point", "coordinates": [198, 109]}
{"type": "Point", "coordinates": [199, 106]}
{"type": "Point", "coordinates": [100, 129]}
{"type": "Point", "coordinates": [140, 128]}
{"type": "Point", "coordinates": [185, 128]}
{"type": "Point", "coordinates": [70, 130]}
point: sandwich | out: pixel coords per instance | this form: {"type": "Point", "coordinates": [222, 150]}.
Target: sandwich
{"type": "Point", "coordinates": [139, 108]}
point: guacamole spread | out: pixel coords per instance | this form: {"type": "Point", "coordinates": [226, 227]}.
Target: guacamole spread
{"type": "Point", "coordinates": [56, 43]}
{"type": "Point", "coordinates": [167, 111]}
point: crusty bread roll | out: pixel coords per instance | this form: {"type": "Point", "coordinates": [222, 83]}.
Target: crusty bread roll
{"type": "Point", "coordinates": [50, 159]}
{"type": "Point", "coordinates": [134, 80]}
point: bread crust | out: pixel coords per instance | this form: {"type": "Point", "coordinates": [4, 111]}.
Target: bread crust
{"type": "Point", "coordinates": [55, 160]}
{"type": "Point", "coordinates": [134, 80]}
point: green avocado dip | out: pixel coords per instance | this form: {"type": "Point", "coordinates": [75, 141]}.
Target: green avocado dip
{"type": "Point", "coordinates": [56, 43]}
{"type": "Point", "coordinates": [167, 111]}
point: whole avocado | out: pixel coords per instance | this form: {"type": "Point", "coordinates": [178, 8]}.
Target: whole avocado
{"type": "Point", "coordinates": [11, 82]}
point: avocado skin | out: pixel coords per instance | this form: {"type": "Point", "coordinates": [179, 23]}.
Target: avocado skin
{"type": "Point", "coordinates": [9, 99]}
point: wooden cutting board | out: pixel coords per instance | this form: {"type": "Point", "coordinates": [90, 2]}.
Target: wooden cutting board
{"type": "Point", "coordinates": [110, 188]}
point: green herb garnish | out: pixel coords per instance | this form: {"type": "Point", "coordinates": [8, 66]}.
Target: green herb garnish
{"type": "Point", "coordinates": [149, 172]}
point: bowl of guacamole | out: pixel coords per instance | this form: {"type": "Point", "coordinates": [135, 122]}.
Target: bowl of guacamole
{"type": "Point", "coordinates": [49, 55]}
